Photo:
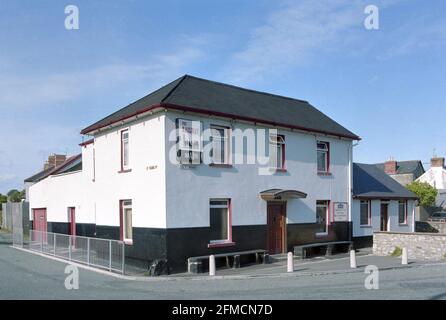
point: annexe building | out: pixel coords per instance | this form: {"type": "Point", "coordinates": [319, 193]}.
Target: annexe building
{"type": "Point", "coordinates": [380, 203]}
{"type": "Point", "coordinates": [144, 178]}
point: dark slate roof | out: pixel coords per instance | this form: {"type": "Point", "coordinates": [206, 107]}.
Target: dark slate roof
{"type": "Point", "coordinates": [371, 182]}
{"type": "Point", "coordinates": [209, 97]}
{"type": "Point", "coordinates": [39, 176]}
{"type": "Point", "coordinates": [73, 163]}
{"type": "Point", "coordinates": [405, 167]}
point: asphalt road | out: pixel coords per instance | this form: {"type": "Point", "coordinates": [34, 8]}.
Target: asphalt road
{"type": "Point", "coordinates": [27, 276]}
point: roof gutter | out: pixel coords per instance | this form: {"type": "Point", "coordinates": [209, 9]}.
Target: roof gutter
{"type": "Point", "coordinates": [219, 114]}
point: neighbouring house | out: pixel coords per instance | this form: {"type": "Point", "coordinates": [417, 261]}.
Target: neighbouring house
{"type": "Point", "coordinates": [436, 177]}
{"type": "Point", "coordinates": [53, 161]}
{"type": "Point", "coordinates": [143, 178]}
{"type": "Point", "coordinates": [405, 172]}
{"type": "Point", "coordinates": [379, 204]}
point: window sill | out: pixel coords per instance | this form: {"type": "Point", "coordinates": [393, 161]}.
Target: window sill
{"type": "Point", "coordinates": [365, 227]}
{"type": "Point", "coordinates": [125, 171]}
{"type": "Point", "coordinates": [278, 170]}
{"type": "Point", "coordinates": [403, 224]}
{"type": "Point", "coordinates": [322, 234]}
{"type": "Point", "coordinates": [221, 245]}
{"type": "Point", "coordinates": [220, 165]}
{"type": "Point", "coordinates": [320, 173]}
{"type": "Point", "coordinates": [128, 242]}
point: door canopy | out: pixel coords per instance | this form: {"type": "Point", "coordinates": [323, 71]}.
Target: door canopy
{"type": "Point", "coordinates": [280, 194]}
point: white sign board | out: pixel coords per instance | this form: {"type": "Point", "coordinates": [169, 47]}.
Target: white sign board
{"type": "Point", "coordinates": [340, 212]}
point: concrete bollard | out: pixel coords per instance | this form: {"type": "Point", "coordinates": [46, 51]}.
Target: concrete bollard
{"type": "Point", "coordinates": [405, 257]}
{"type": "Point", "coordinates": [212, 265]}
{"type": "Point", "coordinates": [353, 259]}
{"type": "Point", "coordinates": [290, 266]}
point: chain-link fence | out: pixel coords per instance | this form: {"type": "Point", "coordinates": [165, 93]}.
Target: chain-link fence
{"type": "Point", "coordinates": [101, 253]}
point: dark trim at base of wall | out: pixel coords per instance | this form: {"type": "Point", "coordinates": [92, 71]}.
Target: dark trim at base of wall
{"type": "Point", "coordinates": [177, 245]}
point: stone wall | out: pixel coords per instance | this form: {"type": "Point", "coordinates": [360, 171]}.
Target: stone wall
{"type": "Point", "coordinates": [420, 246]}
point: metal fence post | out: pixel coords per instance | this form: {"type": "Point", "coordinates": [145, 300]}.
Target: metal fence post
{"type": "Point", "coordinates": [41, 241]}
{"type": "Point", "coordinates": [123, 257]}
{"type": "Point", "coordinates": [109, 255]}
{"type": "Point", "coordinates": [69, 248]}
{"type": "Point", "coordinates": [54, 244]}
{"type": "Point", "coordinates": [88, 251]}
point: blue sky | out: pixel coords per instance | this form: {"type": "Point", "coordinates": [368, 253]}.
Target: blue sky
{"type": "Point", "coordinates": [386, 85]}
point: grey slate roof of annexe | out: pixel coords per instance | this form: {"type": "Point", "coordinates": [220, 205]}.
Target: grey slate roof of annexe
{"type": "Point", "coordinates": [211, 97]}
{"type": "Point", "coordinates": [71, 164]}
{"type": "Point", "coordinates": [371, 182]}
{"type": "Point", "coordinates": [404, 167]}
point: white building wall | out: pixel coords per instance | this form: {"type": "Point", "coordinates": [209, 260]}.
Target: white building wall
{"type": "Point", "coordinates": [97, 189]}
{"type": "Point", "coordinates": [393, 224]}
{"type": "Point", "coordinates": [189, 190]}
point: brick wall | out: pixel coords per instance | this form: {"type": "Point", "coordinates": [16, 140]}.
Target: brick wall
{"type": "Point", "coordinates": [420, 246]}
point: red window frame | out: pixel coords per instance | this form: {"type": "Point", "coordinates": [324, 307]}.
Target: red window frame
{"type": "Point", "coordinates": [283, 148]}
{"type": "Point", "coordinates": [327, 171]}
{"type": "Point", "coordinates": [228, 242]}
{"type": "Point", "coordinates": [406, 214]}
{"type": "Point", "coordinates": [123, 168]}
{"type": "Point", "coordinates": [369, 213]}
{"type": "Point", "coordinates": [121, 222]}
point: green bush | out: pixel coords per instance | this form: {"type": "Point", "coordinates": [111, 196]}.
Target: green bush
{"type": "Point", "coordinates": [425, 191]}
{"type": "Point", "coordinates": [398, 252]}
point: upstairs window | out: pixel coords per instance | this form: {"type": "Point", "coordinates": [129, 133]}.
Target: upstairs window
{"type": "Point", "coordinates": [220, 138]}
{"type": "Point", "coordinates": [402, 212]}
{"type": "Point", "coordinates": [322, 210]}
{"type": "Point", "coordinates": [125, 163]}
{"type": "Point", "coordinates": [365, 213]}
{"type": "Point", "coordinates": [323, 157]}
{"type": "Point", "coordinates": [277, 151]}
{"type": "Point", "coordinates": [220, 221]}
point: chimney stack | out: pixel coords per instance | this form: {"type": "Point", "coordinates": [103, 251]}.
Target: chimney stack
{"type": "Point", "coordinates": [390, 166]}
{"type": "Point", "coordinates": [437, 162]}
{"type": "Point", "coordinates": [54, 160]}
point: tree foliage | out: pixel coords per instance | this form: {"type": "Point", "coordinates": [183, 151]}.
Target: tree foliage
{"type": "Point", "coordinates": [425, 191]}
{"type": "Point", "coordinates": [15, 195]}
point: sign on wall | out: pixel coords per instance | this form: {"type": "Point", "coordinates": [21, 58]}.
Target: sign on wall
{"type": "Point", "coordinates": [340, 212]}
{"type": "Point", "coordinates": [189, 141]}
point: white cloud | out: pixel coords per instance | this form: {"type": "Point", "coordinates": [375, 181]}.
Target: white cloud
{"type": "Point", "coordinates": [292, 34]}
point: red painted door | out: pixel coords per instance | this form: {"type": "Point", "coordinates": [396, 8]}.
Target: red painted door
{"type": "Point", "coordinates": [276, 227]}
{"type": "Point", "coordinates": [72, 212]}
{"type": "Point", "coordinates": [40, 223]}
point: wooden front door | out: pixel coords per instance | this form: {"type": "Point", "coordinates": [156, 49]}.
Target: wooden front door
{"type": "Point", "coordinates": [384, 216]}
{"type": "Point", "coordinates": [39, 224]}
{"type": "Point", "coordinates": [276, 221]}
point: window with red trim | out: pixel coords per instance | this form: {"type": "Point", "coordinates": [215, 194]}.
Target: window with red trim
{"type": "Point", "coordinates": [323, 157]}
{"type": "Point", "coordinates": [277, 151]}
{"type": "Point", "coordinates": [220, 221]}
{"type": "Point", "coordinates": [402, 212]}
{"type": "Point", "coordinates": [366, 217]}
{"type": "Point", "coordinates": [125, 159]}
{"type": "Point", "coordinates": [126, 224]}
{"type": "Point", "coordinates": [322, 216]}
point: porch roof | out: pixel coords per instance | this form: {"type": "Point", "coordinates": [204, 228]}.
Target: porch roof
{"type": "Point", "coordinates": [278, 194]}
